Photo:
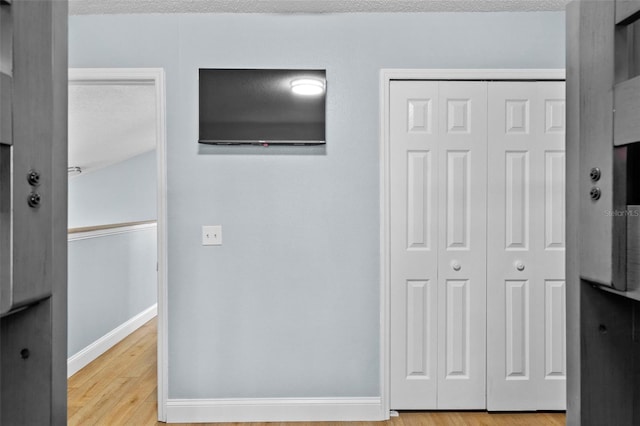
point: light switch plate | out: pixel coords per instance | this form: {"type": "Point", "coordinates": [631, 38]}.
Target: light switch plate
{"type": "Point", "coordinates": [212, 235]}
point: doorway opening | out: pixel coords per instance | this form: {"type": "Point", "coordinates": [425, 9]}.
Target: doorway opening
{"type": "Point", "coordinates": [117, 211]}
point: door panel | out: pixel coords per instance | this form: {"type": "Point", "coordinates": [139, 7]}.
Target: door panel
{"type": "Point", "coordinates": [413, 241]}
{"type": "Point", "coordinates": [554, 220]}
{"type": "Point", "coordinates": [419, 296]}
{"type": "Point", "coordinates": [438, 271]}
{"type": "Point", "coordinates": [525, 305]}
{"type": "Point", "coordinates": [554, 320]}
{"type": "Point", "coordinates": [457, 329]}
{"type": "Point", "coordinates": [419, 218]}
{"type": "Point", "coordinates": [458, 181]}
{"type": "Point", "coordinates": [517, 326]}
{"type": "Point", "coordinates": [516, 209]}
{"type": "Point", "coordinates": [462, 144]}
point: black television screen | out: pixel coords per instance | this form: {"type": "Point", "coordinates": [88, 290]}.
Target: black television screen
{"type": "Point", "coordinates": [262, 106]}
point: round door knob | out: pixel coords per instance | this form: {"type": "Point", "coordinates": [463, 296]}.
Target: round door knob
{"type": "Point", "coordinates": [455, 265]}
{"type": "Point", "coordinates": [519, 265]}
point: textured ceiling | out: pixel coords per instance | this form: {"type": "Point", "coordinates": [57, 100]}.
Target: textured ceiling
{"type": "Point", "coordinates": [109, 123]}
{"type": "Point", "coordinates": [81, 7]}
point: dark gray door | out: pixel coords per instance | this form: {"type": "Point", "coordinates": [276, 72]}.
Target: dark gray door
{"type": "Point", "coordinates": [33, 181]}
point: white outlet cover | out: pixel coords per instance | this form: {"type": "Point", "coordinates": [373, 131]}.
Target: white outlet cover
{"type": "Point", "coordinates": [212, 235]}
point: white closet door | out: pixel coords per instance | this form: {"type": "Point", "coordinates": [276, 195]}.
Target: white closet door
{"type": "Point", "coordinates": [462, 159]}
{"type": "Point", "coordinates": [414, 243]}
{"type": "Point", "coordinates": [438, 173]}
{"type": "Point", "coordinates": [526, 287]}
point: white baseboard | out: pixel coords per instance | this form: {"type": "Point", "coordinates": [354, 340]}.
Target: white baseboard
{"type": "Point", "coordinates": [106, 342]}
{"type": "Point", "coordinates": [274, 410]}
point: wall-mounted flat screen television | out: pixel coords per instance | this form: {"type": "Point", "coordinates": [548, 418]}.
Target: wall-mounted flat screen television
{"type": "Point", "coordinates": [262, 106]}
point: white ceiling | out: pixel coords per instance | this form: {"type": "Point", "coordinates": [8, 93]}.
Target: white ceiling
{"type": "Point", "coordinates": [109, 123]}
{"type": "Point", "coordinates": [80, 7]}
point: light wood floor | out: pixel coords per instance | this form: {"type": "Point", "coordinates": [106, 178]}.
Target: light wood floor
{"type": "Point", "coordinates": [119, 388]}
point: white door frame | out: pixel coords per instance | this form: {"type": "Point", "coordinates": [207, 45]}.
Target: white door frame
{"type": "Point", "coordinates": [154, 77]}
{"type": "Point", "coordinates": [386, 75]}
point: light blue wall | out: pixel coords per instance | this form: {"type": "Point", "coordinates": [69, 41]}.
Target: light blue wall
{"type": "Point", "coordinates": [111, 280]}
{"type": "Point", "coordinates": [289, 305]}
{"type": "Point", "coordinates": [123, 192]}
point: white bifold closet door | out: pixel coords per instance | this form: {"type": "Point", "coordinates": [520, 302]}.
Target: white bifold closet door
{"type": "Point", "coordinates": [526, 278]}
{"type": "Point", "coordinates": [477, 245]}
{"type": "Point", "coordinates": [438, 244]}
